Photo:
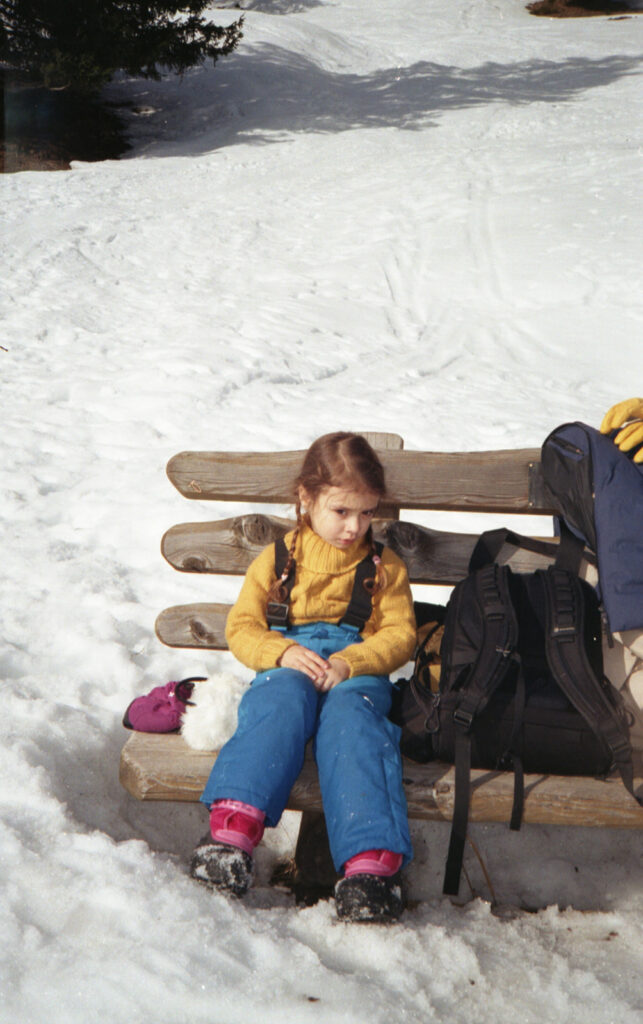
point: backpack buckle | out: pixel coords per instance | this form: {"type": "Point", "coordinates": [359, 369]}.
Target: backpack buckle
{"type": "Point", "coordinates": [464, 718]}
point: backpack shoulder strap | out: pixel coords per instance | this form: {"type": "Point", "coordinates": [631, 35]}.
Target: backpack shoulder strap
{"type": "Point", "coordinates": [597, 701]}
{"type": "Point", "coordinates": [497, 648]}
{"type": "Point", "coordinates": [570, 549]}
{"type": "Point", "coordinates": [491, 542]}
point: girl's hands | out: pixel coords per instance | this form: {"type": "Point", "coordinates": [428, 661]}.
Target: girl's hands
{"type": "Point", "coordinates": [323, 674]}
{"type": "Point", "coordinates": [337, 673]}
{"type": "Point", "coordinates": [304, 660]}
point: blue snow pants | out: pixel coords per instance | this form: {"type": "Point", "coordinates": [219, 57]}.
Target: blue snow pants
{"type": "Point", "coordinates": [355, 746]}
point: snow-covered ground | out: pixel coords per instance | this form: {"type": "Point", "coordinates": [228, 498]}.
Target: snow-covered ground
{"type": "Point", "coordinates": [410, 217]}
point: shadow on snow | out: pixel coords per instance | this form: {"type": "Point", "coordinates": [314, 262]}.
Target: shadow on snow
{"type": "Point", "coordinates": [258, 97]}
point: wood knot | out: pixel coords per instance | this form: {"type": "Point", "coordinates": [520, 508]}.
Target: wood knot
{"type": "Point", "coordinates": [257, 530]}
{"type": "Point", "coordinates": [194, 563]}
{"type": "Point", "coordinates": [201, 633]}
{"type": "Point", "coordinates": [408, 537]}
{"type": "Point", "coordinates": [442, 787]}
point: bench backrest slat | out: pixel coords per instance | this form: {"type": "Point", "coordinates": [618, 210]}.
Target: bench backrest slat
{"type": "Point", "coordinates": [193, 625]}
{"type": "Point", "coordinates": [501, 481]}
{"type": "Point", "coordinates": [228, 546]}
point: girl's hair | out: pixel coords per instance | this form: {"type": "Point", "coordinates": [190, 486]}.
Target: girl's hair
{"type": "Point", "coordinates": [344, 460]}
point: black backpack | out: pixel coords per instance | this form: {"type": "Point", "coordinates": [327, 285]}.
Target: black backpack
{"type": "Point", "coordinates": [521, 686]}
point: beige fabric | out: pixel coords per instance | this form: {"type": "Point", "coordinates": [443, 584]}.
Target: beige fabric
{"type": "Point", "coordinates": [623, 663]}
{"type": "Point", "coordinates": [623, 666]}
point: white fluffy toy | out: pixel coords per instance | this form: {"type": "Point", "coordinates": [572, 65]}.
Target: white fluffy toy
{"type": "Point", "coordinates": [211, 718]}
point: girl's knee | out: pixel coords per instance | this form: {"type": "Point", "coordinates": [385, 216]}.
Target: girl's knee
{"type": "Point", "coordinates": [287, 681]}
{"type": "Point", "coordinates": [283, 690]}
{"type": "Point", "coordinates": [361, 695]}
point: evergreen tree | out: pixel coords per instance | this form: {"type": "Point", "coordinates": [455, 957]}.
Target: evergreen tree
{"type": "Point", "coordinates": [79, 44]}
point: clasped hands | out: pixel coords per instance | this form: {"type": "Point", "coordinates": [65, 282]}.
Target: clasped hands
{"type": "Point", "coordinates": [322, 673]}
{"type": "Point", "coordinates": [629, 416]}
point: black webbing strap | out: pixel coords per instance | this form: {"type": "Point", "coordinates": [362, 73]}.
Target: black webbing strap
{"type": "Point", "coordinates": [460, 819]}
{"type": "Point", "coordinates": [281, 557]}
{"type": "Point", "coordinates": [277, 611]}
{"type": "Point", "coordinates": [516, 744]}
{"type": "Point", "coordinates": [360, 605]}
{"type": "Point", "coordinates": [499, 639]}
{"type": "Point", "coordinates": [491, 542]}
{"type": "Point", "coordinates": [574, 674]}
{"type": "Point", "coordinates": [568, 553]}
{"type": "Point", "coordinates": [500, 635]}
{"type": "Point", "coordinates": [519, 794]}
{"type": "Point", "coordinates": [570, 549]}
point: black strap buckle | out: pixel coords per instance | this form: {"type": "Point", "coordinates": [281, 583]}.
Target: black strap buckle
{"type": "Point", "coordinates": [464, 718]}
{"type": "Point", "coordinates": [277, 614]}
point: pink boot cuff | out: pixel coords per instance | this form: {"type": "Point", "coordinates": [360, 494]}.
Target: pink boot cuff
{"type": "Point", "coordinates": [237, 824]}
{"type": "Point", "coordinates": [373, 862]}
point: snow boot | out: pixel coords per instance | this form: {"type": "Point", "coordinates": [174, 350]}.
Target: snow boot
{"type": "Point", "coordinates": [221, 866]}
{"type": "Point", "coordinates": [223, 859]}
{"type": "Point", "coordinates": [369, 898]}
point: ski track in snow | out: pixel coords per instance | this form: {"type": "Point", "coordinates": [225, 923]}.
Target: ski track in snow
{"type": "Point", "coordinates": [420, 219]}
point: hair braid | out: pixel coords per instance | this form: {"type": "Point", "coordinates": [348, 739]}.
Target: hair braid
{"type": "Point", "coordinates": [277, 591]}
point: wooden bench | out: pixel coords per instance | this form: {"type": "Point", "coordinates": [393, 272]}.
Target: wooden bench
{"type": "Point", "coordinates": [163, 767]}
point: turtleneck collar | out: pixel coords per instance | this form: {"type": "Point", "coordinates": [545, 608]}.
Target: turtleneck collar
{"type": "Point", "coordinates": [316, 555]}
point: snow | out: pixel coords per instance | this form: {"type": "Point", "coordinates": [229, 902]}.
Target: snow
{"type": "Point", "coordinates": [420, 218]}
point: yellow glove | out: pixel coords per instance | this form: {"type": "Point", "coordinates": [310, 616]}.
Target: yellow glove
{"type": "Point", "coordinates": [631, 435]}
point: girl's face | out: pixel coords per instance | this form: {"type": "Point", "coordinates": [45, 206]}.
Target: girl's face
{"type": "Point", "coordinates": [340, 516]}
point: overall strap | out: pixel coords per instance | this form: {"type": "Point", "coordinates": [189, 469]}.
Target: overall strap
{"type": "Point", "coordinates": [360, 605]}
{"type": "Point", "coordinates": [277, 611]}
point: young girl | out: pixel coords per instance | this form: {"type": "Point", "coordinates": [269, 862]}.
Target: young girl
{"type": "Point", "coordinates": [342, 620]}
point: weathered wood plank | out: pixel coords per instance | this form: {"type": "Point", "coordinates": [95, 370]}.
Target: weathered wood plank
{"type": "Point", "coordinates": [226, 547]}
{"type": "Point", "coordinates": [163, 767]}
{"type": "Point", "coordinates": [189, 470]}
{"type": "Point", "coordinates": [382, 441]}
{"type": "Point", "coordinates": [193, 625]}
{"type": "Point", "coordinates": [499, 481]}
{"type": "Point", "coordinates": [431, 556]}
{"type": "Point", "coordinates": [155, 766]}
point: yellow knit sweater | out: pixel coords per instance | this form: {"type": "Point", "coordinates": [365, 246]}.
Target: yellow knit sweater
{"type": "Point", "coordinates": [323, 585]}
